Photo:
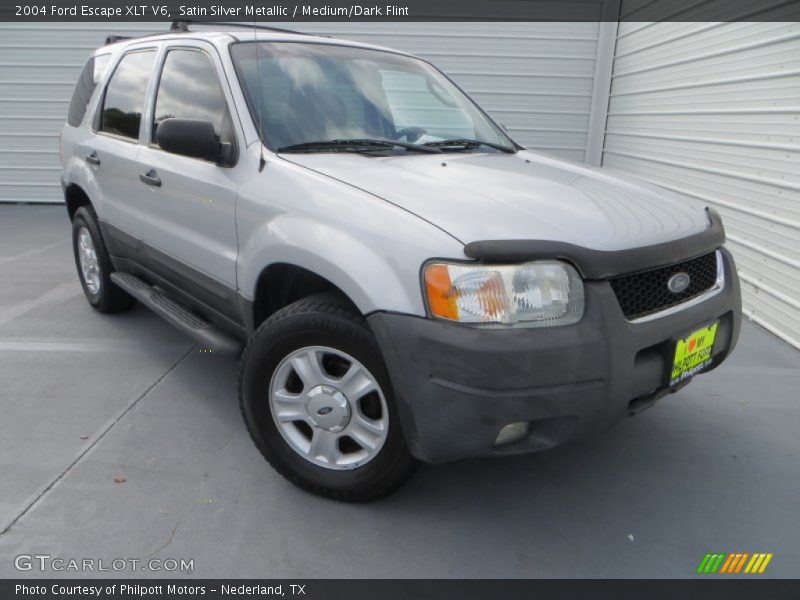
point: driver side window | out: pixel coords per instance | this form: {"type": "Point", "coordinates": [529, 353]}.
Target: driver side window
{"type": "Point", "coordinates": [189, 89]}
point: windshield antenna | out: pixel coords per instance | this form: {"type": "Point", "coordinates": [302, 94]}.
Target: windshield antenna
{"type": "Point", "coordinates": [261, 161]}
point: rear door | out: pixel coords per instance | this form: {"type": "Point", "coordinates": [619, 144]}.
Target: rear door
{"type": "Point", "coordinates": [190, 235]}
{"type": "Point", "coordinates": [112, 151]}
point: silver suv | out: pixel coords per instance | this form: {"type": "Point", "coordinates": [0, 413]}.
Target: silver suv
{"type": "Point", "coordinates": [407, 282]}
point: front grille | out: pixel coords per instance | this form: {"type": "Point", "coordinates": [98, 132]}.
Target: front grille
{"type": "Point", "coordinates": [646, 292]}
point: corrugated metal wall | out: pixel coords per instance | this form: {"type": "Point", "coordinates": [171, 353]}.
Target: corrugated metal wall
{"type": "Point", "coordinates": [712, 110]}
{"type": "Point", "coordinates": [536, 78]}
{"type": "Point", "coordinates": [39, 64]}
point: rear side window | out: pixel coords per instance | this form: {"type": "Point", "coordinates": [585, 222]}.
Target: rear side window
{"type": "Point", "coordinates": [123, 104]}
{"type": "Point", "coordinates": [189, 89]}
{"type": "Point", "coordinates": [91, 74]}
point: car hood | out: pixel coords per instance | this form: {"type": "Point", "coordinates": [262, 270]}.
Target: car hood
{"type": "Point", "coordinates": [524, 196]}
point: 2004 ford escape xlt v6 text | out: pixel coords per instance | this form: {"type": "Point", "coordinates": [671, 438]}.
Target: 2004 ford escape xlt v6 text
{"type": "Point", "coordinates": [408, 283]}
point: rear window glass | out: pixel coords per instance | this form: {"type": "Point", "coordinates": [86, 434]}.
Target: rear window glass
{"type": "Point", "coordinates": [125, 95]}
{"type": "Point", "coordinates": [90, 76]}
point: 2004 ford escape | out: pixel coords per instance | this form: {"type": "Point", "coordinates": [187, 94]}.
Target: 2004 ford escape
{"type": "Point", "coordinates": [408, 282]}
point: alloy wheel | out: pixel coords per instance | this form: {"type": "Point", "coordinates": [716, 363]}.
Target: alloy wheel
{"type": "Point", "coordinates": [87, 258]}
{"type": "Point", "coordinates": [329, 408]}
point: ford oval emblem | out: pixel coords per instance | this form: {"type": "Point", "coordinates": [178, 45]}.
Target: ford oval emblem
{"type": "Point", "coordinates": [679, 283]}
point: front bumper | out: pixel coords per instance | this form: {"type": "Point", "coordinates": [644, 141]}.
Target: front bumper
{"type": "Point", "coordinates": [457, 386]}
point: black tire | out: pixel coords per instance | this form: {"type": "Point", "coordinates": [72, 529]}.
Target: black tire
{"type": "Point", "coordinates": [321, 320]}
{"type": "Point", "coordinates": [108, 298]}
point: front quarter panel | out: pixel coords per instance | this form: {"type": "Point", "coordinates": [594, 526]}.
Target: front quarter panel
{"type": "Point", "coordinates": [369, 248]}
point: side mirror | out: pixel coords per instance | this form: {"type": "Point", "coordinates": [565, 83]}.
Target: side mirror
{"type": "Point", "coordinates": [192, 137]}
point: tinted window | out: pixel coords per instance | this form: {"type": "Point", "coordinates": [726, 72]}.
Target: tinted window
{"type": "Point", "coordinates": [189, 89]}
{"type": "Point", "coordinates": [124, 101]}
{"type": "Point", "coordinates": [90, 75]}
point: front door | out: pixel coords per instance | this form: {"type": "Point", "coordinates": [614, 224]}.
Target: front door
{"type": "Point", "coordinates": [190, 234]}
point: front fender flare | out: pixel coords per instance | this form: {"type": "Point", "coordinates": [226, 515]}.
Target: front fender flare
{"type": "Point", "coordinates": [335, 255]}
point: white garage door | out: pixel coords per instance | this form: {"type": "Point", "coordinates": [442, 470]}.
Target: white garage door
{"type": "Point", "coordinates": [712, 110]}
{"type": "Point", "coordinates": [536, 78]}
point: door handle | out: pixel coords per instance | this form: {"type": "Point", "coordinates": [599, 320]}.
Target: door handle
{"type": "Point", "coordinates": [150, 178]}
{"type": "Point", "coordinates": [92, 158]}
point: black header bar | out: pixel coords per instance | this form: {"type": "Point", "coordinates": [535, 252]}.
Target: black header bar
{"type": "Point", "coordinates": [408, 589]}
{"type": "Point", "coordinates": [400, 10]}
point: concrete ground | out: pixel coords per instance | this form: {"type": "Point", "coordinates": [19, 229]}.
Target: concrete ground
{"type": "Point", "coordinates": [88, 400]}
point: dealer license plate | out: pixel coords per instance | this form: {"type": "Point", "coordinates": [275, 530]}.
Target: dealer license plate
{"type": "Point", "coordinates": [693, 353]}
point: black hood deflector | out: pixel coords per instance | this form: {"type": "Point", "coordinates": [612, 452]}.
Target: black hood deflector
{"type": "Point", "coordinates": [602, 264]}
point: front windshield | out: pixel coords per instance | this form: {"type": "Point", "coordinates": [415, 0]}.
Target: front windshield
{"type": "Point", "coordinates": [303, 93]}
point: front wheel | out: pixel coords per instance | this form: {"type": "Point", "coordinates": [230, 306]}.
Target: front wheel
{"type": "Point", "coordinates": [317, 400]}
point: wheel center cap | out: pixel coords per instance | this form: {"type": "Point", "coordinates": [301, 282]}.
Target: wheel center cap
{"type": "Point", "coordinates": [327, 408]}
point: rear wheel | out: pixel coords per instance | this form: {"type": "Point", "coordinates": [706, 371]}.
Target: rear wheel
{"type": "Point", "coordinates": [94, 264]}
{"type": "Point", "coordinates": [317, 400]}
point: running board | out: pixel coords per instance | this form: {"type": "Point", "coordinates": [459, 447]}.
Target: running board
{"type": "Point", "coordinates": [197, 328]}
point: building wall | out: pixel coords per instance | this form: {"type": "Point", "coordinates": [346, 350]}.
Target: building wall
{"type": "Point", "coordinates": [39, 64]}
{"type": "Point", "coordinates": [535, 78]}
{"type": "Point", "coordinates": [712, 111]}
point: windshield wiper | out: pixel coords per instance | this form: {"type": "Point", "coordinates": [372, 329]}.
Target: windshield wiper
{"type": "Point", "coordinates": [347, 145]}
{"type": "Point", "coordinates": [467, 143]}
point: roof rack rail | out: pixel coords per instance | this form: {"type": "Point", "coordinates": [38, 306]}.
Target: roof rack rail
{"type": "Point", "coordinates": [113, 39]}
{"type": "Point", "coordinates": [183, 25]}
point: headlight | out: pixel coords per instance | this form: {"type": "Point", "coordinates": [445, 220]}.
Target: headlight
{"type": "Point", "coordinates": [535, 294]}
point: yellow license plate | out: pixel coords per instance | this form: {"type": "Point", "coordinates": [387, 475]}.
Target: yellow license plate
{"type": "Point", "coordinates": [693, 353]}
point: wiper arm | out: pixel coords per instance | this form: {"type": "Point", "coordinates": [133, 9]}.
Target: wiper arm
{"type": "Point", "coordinates": [347, 144]}
{"type": "Point", "coordinates": [467, 143]}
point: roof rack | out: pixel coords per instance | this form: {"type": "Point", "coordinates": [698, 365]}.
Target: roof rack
{"type": "Point", "coordinates": [113, 39]}
{"type": "Point", "coordinates": [183, 25]}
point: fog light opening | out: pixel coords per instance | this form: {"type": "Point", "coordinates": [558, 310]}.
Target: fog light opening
{"type": "Point", "coordinates": [511, 433]}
